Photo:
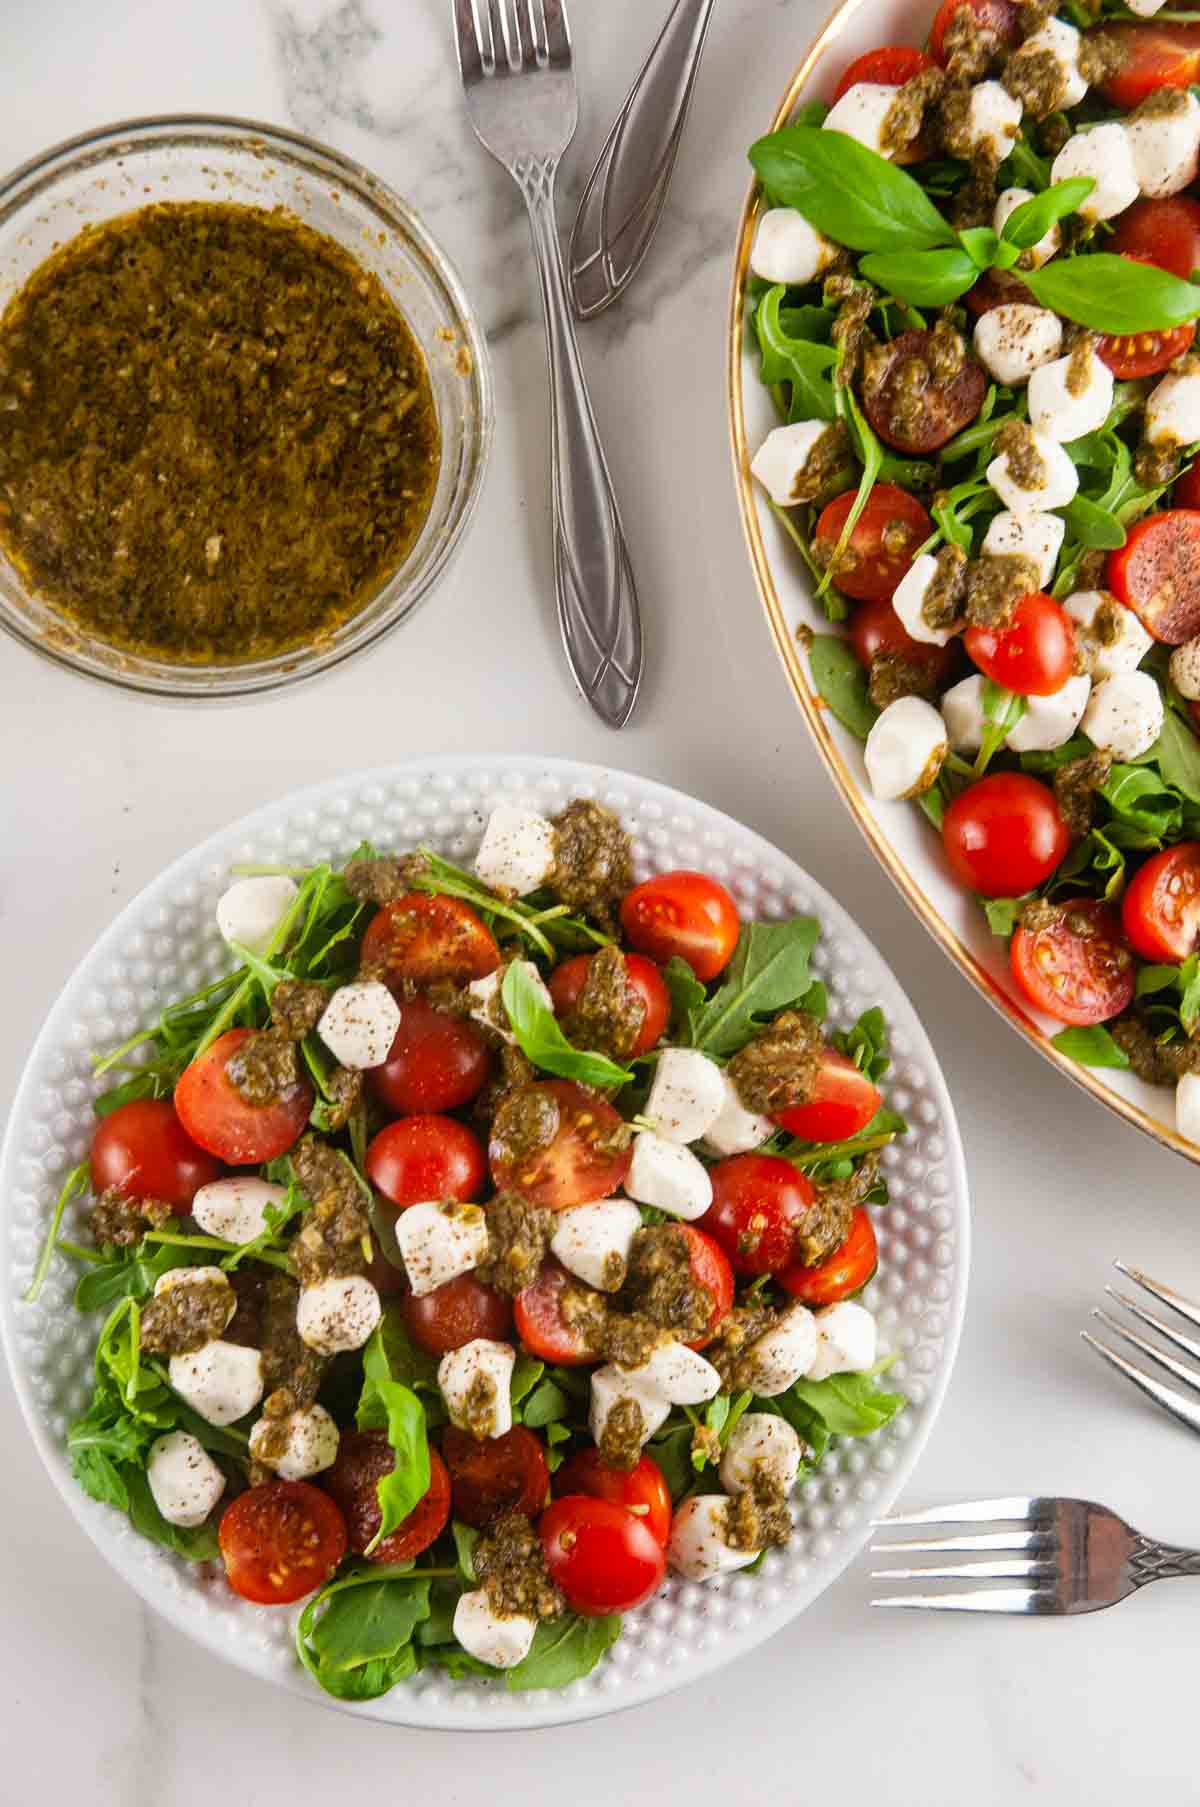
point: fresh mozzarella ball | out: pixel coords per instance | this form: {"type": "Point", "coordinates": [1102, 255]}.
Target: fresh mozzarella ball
{"type": "Point", "coordinates": [1105, 154]}
{"type": "Point", "coordinates": [184, 1480]}
{"type": "Point", "coordinates": [781, 461]}
{"type": "Point", "coordinates": [438, 1242]}
{"type": "Point", "coordinates": [847, 1342]}
{"type": "Point", "coordinates": [1060, 479]}
{"type": "Point", "coordinates": [1146, 9]}
{"type": "Point", "coordinates": [962, 712]}
{"type": "Point", "coordinates": [1187, 1106]}
{"type": "Point", "coordinates": [487, 1005]}
{"type": "Point", "coordinates": [222, 1381]}
{"type": "Point", "coordinates": [610, 1387]}
{"type": "Point", "coordinates": [176, 1278]}
{"type": "Point", "coordinates": [787, 249]}
{"type": "Point", "coordinates": [480, 1366]}
{"type": "Point", "coordinates": [1166, 147]}
{"type": "Point", "coordinates": [861, 112]}
{"type": "Point", "coordinates": [593, 1241]}
{"type": "Point", "coordinates": [680, 1374]}
{"type": "Point", "coordinates": [359, 1024]}
{"type": "Point", "coordinates": [1013, 340]}
{"type": "Point", "coordinates": [499, 1639]}
{"type": "Point", "coordinates": [993, 120]}
{"type": "Point", "coordinates": [338, 1314]}
{"type": "Point", "coordinates": [1036, 536]}
{"type": "Point", "coordinates": [1125, 714]}
{"type": "Point", "coordinates": [235, 1209]}
{"type": "Point", "coordinates": [687, 1094]}
{"type": "Point", "coordinates": [518, 851]}
{"type": "Point", "coordinates": [1061, 41]}
{"type": "Point", "coordinates": [1063, 412]}
{"type": "Point", "coordinates": [1185, 669]}
{"type": "Point", "coordinates": [1039, 254]}
{"type": "Point", "coordinates": [905, 749]}
{"type": "Point", "coordinates": [782, 1354]}
{"type": "Point", "coordinates": [908, 601]}
{"type": "Point", "coordinates": [697, 1548]}
{"type": "Point", "coordinates": [1116, 642]}
{"type": "Point", "coordinates": [668, 1176]}
{"type": "Point", "coordinates": [311, 1443]}
{"type": "Point", "coordinates": [736, 1130]}
{"type": "Point", "coordinates": [1173, 411]}
{"type": "Point", "coordinates": [252, 908]}
{"type": "Point", "coordinates": [1050, 721]}
{"type": "Point", "coordinates": [761, 1442]}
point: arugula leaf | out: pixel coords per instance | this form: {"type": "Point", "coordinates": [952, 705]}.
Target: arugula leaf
{"type": "Point", "coordinates": [1176, 753]}
{"type": "Point", "coordinates": [810, 1157]}
{"type": "Point", "coordinates": [355, 1636]}
{"type": "Point", "coordinates": [1091, 1047]}
{"type": "Point", "coordinates": [387, 1403]}
{"type": "Point", "coordinates": [546, 1405]}
{"type": "Point", "coordinates": [563, 1650]}
{"type": "Point", "coordinates": [75, 1185]}
{"type": "Point", "coordinates": [848, 1405]}
{"type": "Point", "coordinates": [769, 970]}
{"type": "Point", "coordinates": [1030, 222]}
{"type": "Point", "coordinates": [465, 1538]}
{"type": "Point", "coordinates": [1112, 295]}
{"type": "Point", "coordinates": [1145, 812]}
{"type": "Point", "coordinates": [1093, 525]}
{"type": "Point", "coordinates": [869, 449]}
{"type": "Point", "coordinates": [687, 996]}
{"type": "Point", "coordinates": [195, 1543]}
{"type": "Point", "coordinates": [794, 360]}
{"type": "Point", "coordinates": [129, 1274]}
{"type": "Point", "coordinates": [1002, 710]}
{"type": "Point", "coordinates": [542, 1041]}
{"type": "Point", "coordinates": [1003, 913]}
{"type": "Point", "coordinates": [846, 191]}
{"type": "Point", "coordinates": [671, 1448]}
{"type": "Point", "coordinates": [841, 683]}
{"type": "Point", "coordinates": [926, 278]}
{"type": "Point", "coordinates": [527, 1371]}
{"type": "Point", "coordinates": [866, 1044]}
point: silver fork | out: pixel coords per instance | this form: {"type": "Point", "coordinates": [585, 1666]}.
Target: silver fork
{"type": "Point", "coordinates": [515, 61]}
{"type": "Point", "coordinates": [1171, 1400]}
{"type": "Point", "coordinates": [1070, 1556]}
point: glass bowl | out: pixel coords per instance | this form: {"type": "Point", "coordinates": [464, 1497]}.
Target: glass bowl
{"type": "Point", "coordinates": [119, 168]}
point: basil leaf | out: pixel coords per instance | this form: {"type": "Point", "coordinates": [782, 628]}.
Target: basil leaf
{"type": "Point", "coordinates": [1027, 224]}
{"type": "Point", "coordinates": [1112, 295]}
{"type": "Point", "coordinates": [388, 1403]}
{"type": "Point", "coordinates": [1093, 525]}
{"type": "Point", "coordinates": [542, 1041]}
{"type": "Point", "coordinates": [796, 361]}
{"type": "Point", "coordinates": [563, 1650]}
{"type": "Point", "coordinates": [1152, 979]}
{"type": "Point", "coordinates": [926, 278]}
{"type": "Point", "coordinates": [769, 970]}
{"type": "Point", "coordinates": [855, 197]}
{"type": "Point", "coordinates": [841, 683]}
{"type": "Point", "coordinates": [848, 1405]}
{"type": "Point", "coordinates": [980, 244]}
{"type": "Point", "coordinates": [527, 1371]}
{"type": "Point", "coordinates": [1091, 1047]}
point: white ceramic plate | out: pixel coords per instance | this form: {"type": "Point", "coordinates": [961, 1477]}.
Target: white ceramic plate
{"type": "Point", "coordinates": [903, 841]}
{"type": "Point", "coordinates": [165, 944]}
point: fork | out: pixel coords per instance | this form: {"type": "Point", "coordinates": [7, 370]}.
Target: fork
{"type": "Point", "coordinates": [1169, 1398]}
{"type": "Point", "coordinates": [515, 60]}
{"type": "Point", "coordinates": [1071, 1556]}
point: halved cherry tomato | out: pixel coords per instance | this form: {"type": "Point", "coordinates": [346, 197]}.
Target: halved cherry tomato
{"type": "Point", "coordinates": [1034, 655]}
{"type": "Point", "coordinates": [759, 1204]}
{"type": "Point", "coordinates": [642, 1490]}
{"type": "Point", "coordinates": [882, 546]}
{"type": "Point", "coordinates": [997, 16]}
{"type": "Point", "coordinates": [946, 405]}
{"type": "Point", "coordinates": [541, 1326]}
{"type": "Point", "coordinates": [876, 628]}
{"type": "Point", "coordinates": [426, 938]}
{"type": "Point", "coordinates": [1157, 54]}
{"type": "Point", "coordinates": [1078, 969]}
{"type": "Point", "coordinates": [710, 1269]}
{"type": "Point", "coordinates": [844, 1272]}
{"type": "Point", "coordinates": [588, 1158]}
{"type": "Point", "coordinates": [1157, 573]}
{"type": "Point", "coordinates": [501, 1474]}
{"type": "Point", "coordinates": [456, 1313]}
{"type": "Point", "coordinates": [567, 980]}
{"type": "Point", "coordinates": [843, 1101]}
{"type": "Point", "coordinates": [363, 1460]}
{"type": "Point", "coordinates": [426, 1157]}
{"type": "Point", "coordinates": [215, 1114]}
{"type": "Point", "coordinates": [1005, 835]}
{"type": "Point", "coordinates": [892, 65]}
{"type": "Point", "coordinates": [1130, 355]}
{"type": "Point", "coordinates": [1160, 911]}
{"type": "Point", "coordinates": [603, 1557]}
{"type": "Point", "coordinates": [281, 1541]}
{"type": "Point", "coordinates": [1163, 231]}
{"type": "Point", "coordinates": [684, 913]}
{"type": "Point", "coordinates": [437, 1062]}
{"type": "Point", "coordinates": [143, 1151]}
{"type": "Point", "coordinates": [1186, 493]}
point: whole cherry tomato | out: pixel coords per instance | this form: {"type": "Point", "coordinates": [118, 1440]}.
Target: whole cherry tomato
{"type": "Point", "coordinates": [1034, 655]}
{"type": "Point", "coordinates": [436, 1063]}
{"type": "Point", "coordinates": [567, 981]}
{"type": "Point", "coordinates": [642, 1490]}
{"type": "Point", "coordinates": [1005, 835]}
{"type": "Point", "coordinates": [499, 1474]}
{"type": "Point", "coordinates": [428, 938]}
{"type": "Point", "coordinates": [456, 1313]}
{"type": "Point", "coordinates": [686, 914]}
{"type": "Point", "coordinates": [844, 1272]}
{"type": "Point", "coordinates": [603, 1557]}
{"type": "Point", "coordinates": [214, 1113]}
{"type": "Point", "coordinates": [1160, 911]}
{"type": "Point", "coordinates": [427, 1157]}
{"type": "Point", "coordinates": [759, 1205]}
{"type": "Point", "coordinates": [142, 1150]}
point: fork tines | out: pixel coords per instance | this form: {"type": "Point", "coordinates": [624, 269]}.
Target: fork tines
{"type": "Point", "coordinates": [497, 36]}
{"type": "Point", "coordinates": [1170, 1398]}
{"type": "Point", "coordinates": [1029, 1548]}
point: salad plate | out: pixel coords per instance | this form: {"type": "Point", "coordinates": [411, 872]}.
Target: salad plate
{"type": "Point", "coordinates": [166, 943]}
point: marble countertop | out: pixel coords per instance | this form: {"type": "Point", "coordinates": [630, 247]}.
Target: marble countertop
{"type": "Point", "coordinates": [99, 1702]}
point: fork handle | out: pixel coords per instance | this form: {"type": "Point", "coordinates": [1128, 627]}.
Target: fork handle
{"type": "Point", "coordinates": [1154, 1561]}
{"type": "Point", "coordinates": [598, 610]}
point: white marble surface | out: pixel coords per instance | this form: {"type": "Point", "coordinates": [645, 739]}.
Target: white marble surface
{"type": "Point", "coordinates": [100, 1703]}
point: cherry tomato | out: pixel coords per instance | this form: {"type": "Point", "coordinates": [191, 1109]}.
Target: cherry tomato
{"type": "Point", "coordinates": [710, 1269]}
{"type": "Point", "coordinates": [642, 1490]}
{"type": "Point", "coordinates": [389, 1281]}
{"type": "Point", "coordinates": [843, 1101]}
{"type": "Point", "coordinates": [1004, 836]}
{"type": "Point", "coordinates": [588, 1158]}
{"type": "Point", "coordinates": [426, 1157]}
{"type": "Point", "coordinates": [604, 1558]}
{"type": "Point", "coordinates": [1157, 54]}
{"type": "Point", "coordinates": [947, 405]}
{"type": "Point", "coordinates": [1034, 655]}
{"type": "Point", "coordinates": [1187, 487]}
{"type": "Point", "coordinates": [215, 1114]}
{"type": "Point", "coordinates": [1157, 573]}
{"type": "Point", "coordinates": [1163, 231]}
{"type": "Point", "coordinates": [281, 1541]}
{"type": "Point", "coordinates": [1130, 355]}
{"type": "Point", "coordinates": [363, 1459]}
{"type": "Point", "coordinates": [844, 1272]}
{"type": "Point", "coordinates": [426, 938]}
{"type": "Point", "coordinates": [876, 628]}
{"type": "Point", "coordinates": [882, 546]}
{"type": "Point", "coordinates": [997, 16]}
{"type": "Point", "coordinates": [1160, 911]}
{"type": "Point", "coordinates": [143, 1151]}
{"type": "Point", "coordinates": [437, 1062]}
{"type": "Point", "coordinates": [501, 1474]}
{"type": "Point", "coordinates": [1078, 970]}
{"type": "Point", "coordinates": [759, 1204]}
{"type": "Point", "coordinates": [567, 980]}
{"type": "Point", "coordinates": [456, 1313]}
{"type": "Point", "coordinates": [543, 1330]}
{"type": "Point", "coordinates": [684, 913]}
{"type": "Point", "coordinates": [893, 65]}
